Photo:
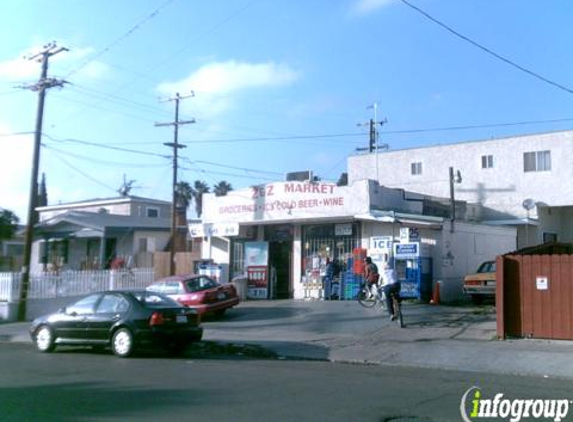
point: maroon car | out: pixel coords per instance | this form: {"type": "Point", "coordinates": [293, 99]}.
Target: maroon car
{"type": "Point", "coordinates": [199, 292]}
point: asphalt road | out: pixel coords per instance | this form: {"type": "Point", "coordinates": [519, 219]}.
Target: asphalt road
{"type": "Point", "coordinates": [74, 385]}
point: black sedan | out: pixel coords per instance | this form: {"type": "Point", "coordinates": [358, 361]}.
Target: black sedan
{"type": "Point", "coordinates": [124, 320]}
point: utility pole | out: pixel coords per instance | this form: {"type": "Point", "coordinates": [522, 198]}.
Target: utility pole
{"type": "Point", "coordinates": [454, 178]}
{"type": "Point", "coordinates": [41, 86]}
{"type": "Point", "coordinates": [373, 145]}
{"type": "Point", "coordinates": [176, 146]}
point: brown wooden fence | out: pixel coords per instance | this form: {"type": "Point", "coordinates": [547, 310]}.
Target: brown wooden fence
{"type": "Point", "coordinates": [183, 263]}
{"type": "Point", "coordinates": [534, 296]}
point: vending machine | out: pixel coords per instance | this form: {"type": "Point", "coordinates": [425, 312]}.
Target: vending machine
{"type": "Point", "coordinates": [413, 267]}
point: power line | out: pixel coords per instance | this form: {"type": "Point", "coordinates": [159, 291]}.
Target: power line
{"type": "Point", "coordinates": [87, 176]}
{"type": "Point", "coordinates": [487, 50]}
{"type": "Point", "coordinates": [91, 159]}
{"type": "Point", "coordinates": [121, 38]}
{"type": "Point", "coordinates": [78, 141]}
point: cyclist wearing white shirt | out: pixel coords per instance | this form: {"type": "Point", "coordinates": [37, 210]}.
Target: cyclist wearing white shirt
{"type": "Point", "coordinates": [390, 285]}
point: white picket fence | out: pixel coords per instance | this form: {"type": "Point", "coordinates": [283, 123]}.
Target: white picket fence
{"type": "Point", "coordinates": [48, 285]}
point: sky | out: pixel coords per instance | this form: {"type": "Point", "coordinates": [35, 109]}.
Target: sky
{"type": "Point", "coordinates": [273, 86]}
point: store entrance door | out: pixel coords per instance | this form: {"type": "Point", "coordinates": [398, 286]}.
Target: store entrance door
{"type": "Point", "coordinates": [280, 260]}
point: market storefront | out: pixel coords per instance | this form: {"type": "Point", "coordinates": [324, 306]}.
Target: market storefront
{"type": "Point", "coordinates": [288, 232]}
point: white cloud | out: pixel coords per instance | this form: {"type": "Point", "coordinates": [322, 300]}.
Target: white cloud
{"type": "Point", "coordinates": [14, 172]}
{"type": "Point", "coordinates": [366, 7]}
{"type": "Point", "coordinates": [215, 83]}
{"type": "Point", "coordinates": [231, 76]}
{"type": "Point", "coordinates": [22, 68]}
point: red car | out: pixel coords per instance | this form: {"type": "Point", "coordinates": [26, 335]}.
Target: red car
{"type": "Point", "coordinates": [198, 292]}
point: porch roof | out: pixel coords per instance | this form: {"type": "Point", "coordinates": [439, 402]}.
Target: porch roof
{"type": "Point", "coordinates": [90, 222]}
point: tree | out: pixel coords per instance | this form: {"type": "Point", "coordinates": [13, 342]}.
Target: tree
{"type": "Point", "coordinates": [183, 195]}
{"type": "Point", "coordinates": [198, 189]}
{"type": "Point", "coordinates": [222, 188]}
{"type": "Point", "coordinates": [8, 224]}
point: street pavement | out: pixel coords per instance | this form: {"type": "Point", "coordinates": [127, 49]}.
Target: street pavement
{"type": "Point", "coordinates": [435, 336]}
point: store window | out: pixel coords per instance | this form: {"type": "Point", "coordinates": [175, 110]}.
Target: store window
{"type": "Point", "coordinates": [328, 242]}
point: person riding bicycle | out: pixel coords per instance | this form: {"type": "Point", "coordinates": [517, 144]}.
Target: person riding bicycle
{"type": "Point", "coordinates": [371, 275]}
{"type": "Point", "coordinates": [390, 285]}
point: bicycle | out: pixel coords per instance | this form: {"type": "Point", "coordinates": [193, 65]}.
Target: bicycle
{"type": "Point", "coordinates": [397, 306]}
{"type": "Point", "coordinates": [368, 297]}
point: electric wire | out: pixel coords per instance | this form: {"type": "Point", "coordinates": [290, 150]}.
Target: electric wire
{"type": "Point", "coordinates": [121, 38]}
{"type": "Point", "coordinates": [487, 50]}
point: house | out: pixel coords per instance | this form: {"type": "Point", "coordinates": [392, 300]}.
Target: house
{"type": "Point", "coordinates": [520, 181]}
{"type": "Point", "coordinates": [91, 234]}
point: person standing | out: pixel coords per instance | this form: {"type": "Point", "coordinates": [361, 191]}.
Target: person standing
{"type": "Point", "coordinates": [390, 285]}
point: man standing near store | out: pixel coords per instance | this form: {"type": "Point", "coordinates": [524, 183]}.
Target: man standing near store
{"type": "Point", "coordinates": [390, 285]}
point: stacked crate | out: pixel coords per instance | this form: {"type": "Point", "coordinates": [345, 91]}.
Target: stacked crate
{"type": "Point", "coordinates": [350, 282]}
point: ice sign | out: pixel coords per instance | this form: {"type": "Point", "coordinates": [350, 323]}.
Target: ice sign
{"type": "Point", "coordinates": [381, 243]}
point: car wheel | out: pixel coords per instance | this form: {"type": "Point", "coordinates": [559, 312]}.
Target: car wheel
{"type": "Point", "coordinates": [477, 299]}
{"type": "Point", "coordinates": [45, 339]}
{"type": "Point", "coordinates": [220, 312]}
{"type": "Point", "coordinates": [122, 343]}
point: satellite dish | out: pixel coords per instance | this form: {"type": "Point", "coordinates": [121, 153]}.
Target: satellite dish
{"type": "Point", "coordinates": [528, 204]}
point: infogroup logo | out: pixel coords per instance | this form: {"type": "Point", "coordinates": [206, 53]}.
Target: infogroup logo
{"type": "Point", "coordinates": [474, 406]}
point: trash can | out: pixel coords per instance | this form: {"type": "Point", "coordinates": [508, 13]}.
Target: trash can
{"type": "Point", "coordinates": [240, 283]}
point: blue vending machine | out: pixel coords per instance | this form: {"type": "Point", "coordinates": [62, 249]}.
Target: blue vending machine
{"type": "Point", "coordinates": [414, 271]}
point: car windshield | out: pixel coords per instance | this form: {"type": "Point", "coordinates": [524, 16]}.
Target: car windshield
{"type": "Point", "coordinates": [200, 283]}
{"type": "Point", "coordinates": [155, 300]}
{"type": "Point", "coordinates": [487, 267]}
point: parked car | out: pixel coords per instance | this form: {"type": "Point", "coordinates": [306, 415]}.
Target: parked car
{"type": "Point", "coordinates": [481, 284]}
{"type": "Point", "coordinates": [199, 292]}
{"type": "Point", "coordinates": [124, 320]}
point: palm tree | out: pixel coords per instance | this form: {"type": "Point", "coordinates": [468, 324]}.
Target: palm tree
{"type": "Point", "coordinates": [198, 189]}
{"type": "Point", "coordinates": [183, 195]}
{"type": "Point", "coordinates": [222, 188]}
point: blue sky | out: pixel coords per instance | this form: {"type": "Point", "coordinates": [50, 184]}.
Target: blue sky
{"type": "Point", "coordinates": [280, 85]}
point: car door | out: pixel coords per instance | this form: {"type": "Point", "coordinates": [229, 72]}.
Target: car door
{"type": "Point", "coordinates": [110, 309]}
{"type": "Point", "coordinates": [74, 318]}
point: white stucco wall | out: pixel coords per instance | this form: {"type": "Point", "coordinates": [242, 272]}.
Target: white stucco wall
{"type": "Point", "coordinates": [503, 187]}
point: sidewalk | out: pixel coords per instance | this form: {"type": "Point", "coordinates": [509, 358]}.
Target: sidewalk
{"type": "Point", "coordinates": [460, 338]}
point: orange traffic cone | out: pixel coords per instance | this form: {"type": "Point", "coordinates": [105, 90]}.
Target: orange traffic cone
{"type": "Point", "coordinates": [436, 294]}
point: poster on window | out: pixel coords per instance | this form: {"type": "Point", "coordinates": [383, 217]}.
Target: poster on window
{"type": "Point", "coordinates": [257, 282]}
{"type": "Point", "coordinates": [256, 262]}
{"type": "Point", "coordinates": [256, 253]}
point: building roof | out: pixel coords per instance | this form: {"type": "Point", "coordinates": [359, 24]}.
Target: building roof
{"type": "Point", "coordinates": [103, 201]}
{"type": "Point", "coordinates": [102, 221]}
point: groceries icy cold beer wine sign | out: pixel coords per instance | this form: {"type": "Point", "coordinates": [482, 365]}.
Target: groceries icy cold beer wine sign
{"type": "Point", "coordinates": [290, 200]}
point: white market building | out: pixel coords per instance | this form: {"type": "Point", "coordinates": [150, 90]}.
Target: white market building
{"type": "Point", "coordinates": [280, 235]}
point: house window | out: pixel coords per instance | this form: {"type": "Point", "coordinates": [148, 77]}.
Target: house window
{"type": "Point", "coordinates": [142, 245]}
{"type": "Point", "coordinates": [54, 252]}
{"type": "Point", "coordinates": [537, 161]}
{"type": "Point", "coordinates": [549, 237]}
{"type": "Point", "coordinates": [416, 168]}
{"type": "Point", "coordinates": [487, 161]}
{"type": "Point", "coordinates": [152, 212]}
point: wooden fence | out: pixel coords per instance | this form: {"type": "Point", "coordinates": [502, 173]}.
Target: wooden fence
{"type": "Point", "coordinates": [534, 296]}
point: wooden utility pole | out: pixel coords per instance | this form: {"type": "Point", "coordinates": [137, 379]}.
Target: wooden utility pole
{"type": "Point", "coordinates": [176, 146]}
{"type": "Point", "coordinates": [41, 86]}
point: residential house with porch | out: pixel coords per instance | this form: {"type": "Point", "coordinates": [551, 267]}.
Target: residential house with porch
{"type": "Point", "coordinates": [92, 234]}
